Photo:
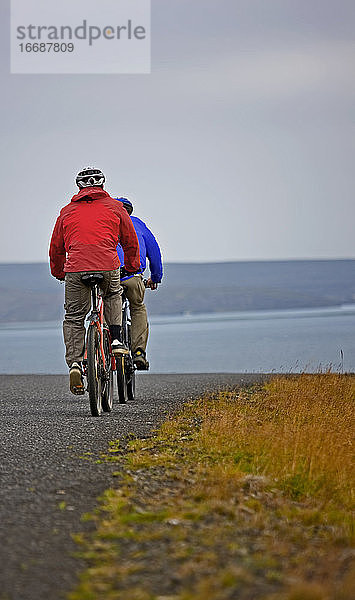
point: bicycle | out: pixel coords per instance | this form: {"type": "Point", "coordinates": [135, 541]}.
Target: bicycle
{"type": "Point", "coordinates": [98, 363]}
{"type": "Point", "coordinates": [125, 368]}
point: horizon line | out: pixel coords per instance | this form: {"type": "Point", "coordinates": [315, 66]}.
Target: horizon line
{"type": "Point", "coordinates": [216, 262]}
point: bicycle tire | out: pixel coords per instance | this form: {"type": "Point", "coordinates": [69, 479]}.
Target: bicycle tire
{"type": "Point", "coordinates": [107, 394]}
{"type": "Point", "coordinates": [121, 380]}
{"type": "Point", "coordinates": [131, 383]}
{"type": "Point", "coordinates": [131, 386]}
{"type": "Point", "coordinates": [93, 372]}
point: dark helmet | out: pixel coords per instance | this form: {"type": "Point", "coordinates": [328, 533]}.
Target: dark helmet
{"type": "Point", "coordinates": [90, 177]}
{"type": "Point", "coordinates": [127, 204]}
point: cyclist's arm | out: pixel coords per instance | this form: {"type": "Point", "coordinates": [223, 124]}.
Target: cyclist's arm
{"type": "Point", "coordinates": [154, 257]}
{"type": "Point", "coordinates": [57, 252]}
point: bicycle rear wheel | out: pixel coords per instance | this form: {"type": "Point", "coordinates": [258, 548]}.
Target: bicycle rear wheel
{"type": "Point", "coordinates": [131, 379]}
{"type": "Point", "coordinates": [107, 393]}
{"type": "Point", "coordinates": [131, 386]}
{"type": "Point", "coordinates": [121, 380]}
{"type": "Point", "coordinates": [94, 371]}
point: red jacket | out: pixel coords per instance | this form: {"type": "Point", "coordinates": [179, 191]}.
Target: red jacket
{"type": "Point", "coordinates": [87, 232]}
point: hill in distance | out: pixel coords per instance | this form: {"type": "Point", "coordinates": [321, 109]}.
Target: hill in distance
{"type": "Point", "coordinates": [29, 293]}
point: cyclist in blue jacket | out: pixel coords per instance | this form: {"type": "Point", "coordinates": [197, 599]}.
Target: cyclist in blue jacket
{"type": "Point", "coordinates": [134, 286]}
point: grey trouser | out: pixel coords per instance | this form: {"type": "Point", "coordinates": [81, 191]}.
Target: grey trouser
{"type": "Point", "coordinates": [135, 290]}
{"type": "Point", "coordinates": [77, 305]}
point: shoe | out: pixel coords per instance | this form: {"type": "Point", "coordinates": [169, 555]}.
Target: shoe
{"type": "Point", "coordinates": [76, 379]}
{"type": "Point", "coordinates": [118, 348]}
{"type": "Point", "coordinates": [140, 360]}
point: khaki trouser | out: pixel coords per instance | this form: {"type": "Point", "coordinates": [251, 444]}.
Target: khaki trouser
{"type": "Point", "coordinates": [135, 290]}
{"type": "Point", "coordinates": [77, 305]}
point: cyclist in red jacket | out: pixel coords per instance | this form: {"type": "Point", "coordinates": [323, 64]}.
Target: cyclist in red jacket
{"type": "Point", "coordinates": [84, 239]}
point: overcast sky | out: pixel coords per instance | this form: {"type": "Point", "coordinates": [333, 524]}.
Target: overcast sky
{"type": "Point", "coordinates": [238, 146]}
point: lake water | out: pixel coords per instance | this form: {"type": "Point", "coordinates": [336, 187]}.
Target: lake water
{"type": "Point", "coordinates": [261, 341]}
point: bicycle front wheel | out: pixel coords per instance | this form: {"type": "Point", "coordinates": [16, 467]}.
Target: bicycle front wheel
{"type": "Point", "coordinates": [94, 371]}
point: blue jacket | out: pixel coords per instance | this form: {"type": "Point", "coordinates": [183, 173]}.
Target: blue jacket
{"type": "Point", "coordinates": [149, 248]}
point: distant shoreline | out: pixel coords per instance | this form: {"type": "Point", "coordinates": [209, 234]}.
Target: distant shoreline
{"type": "Point", "coordinates": [195, 317]}
{"type": "Point", "coordinates": [29, 293]}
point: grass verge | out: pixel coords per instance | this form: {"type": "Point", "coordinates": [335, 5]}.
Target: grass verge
{"type": "Point", "coordinates": [243, 495]}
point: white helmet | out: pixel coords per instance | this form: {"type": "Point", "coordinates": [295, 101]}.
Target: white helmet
{"type": "Point", "coordinates": [90, 177]}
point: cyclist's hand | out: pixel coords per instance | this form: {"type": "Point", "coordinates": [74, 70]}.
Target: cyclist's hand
{"type": "Point", "coordinates": [151, 284]}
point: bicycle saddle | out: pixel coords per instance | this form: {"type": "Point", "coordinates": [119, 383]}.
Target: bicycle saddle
{"type": "Point", "coordinates": [92, 278]}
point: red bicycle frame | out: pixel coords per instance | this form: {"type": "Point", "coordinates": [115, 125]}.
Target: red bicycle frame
{"type": "Point", "coordinates": [97, 318]}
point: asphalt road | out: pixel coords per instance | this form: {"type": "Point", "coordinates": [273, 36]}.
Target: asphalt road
{"type": "Point", "coordinates": [45, 432]}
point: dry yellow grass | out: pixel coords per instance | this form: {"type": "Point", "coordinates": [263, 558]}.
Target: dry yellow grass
{"type": "Point", "coordinates": [298, 430]}
{"type": "Point", "coordinates": [248, 494]}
